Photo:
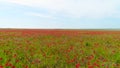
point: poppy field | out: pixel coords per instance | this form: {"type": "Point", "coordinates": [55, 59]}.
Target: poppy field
{"type": "Point", "coordinates": [59, 48]}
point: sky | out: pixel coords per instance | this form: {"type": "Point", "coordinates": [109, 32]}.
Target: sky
{"type": "Point", "coordinates": [60, 14]}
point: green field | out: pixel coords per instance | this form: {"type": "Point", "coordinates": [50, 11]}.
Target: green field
{"type": "Point", "coordinates": [59, 49]}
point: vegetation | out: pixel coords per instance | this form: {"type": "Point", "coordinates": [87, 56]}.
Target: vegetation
{"type": "Point", "coordinates": [59, 49]}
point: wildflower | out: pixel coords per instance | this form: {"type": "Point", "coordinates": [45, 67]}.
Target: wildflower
{"type": "Point", "coordinates": [77, 65]}
{"type": "Point", "coordinates": [0, 58]}
{"type": "Point", "coordinates": [12, 66]}
{"type": "Point", "coordinates": [95, 64]}
{"type": "Point", "coordinates": [8, 64]}
{"type": "Point", "coordinates": [1, 66]}
{"type": "Point", "coordinates": [17, 61]}
{"type": "Point", "coordinates": [90, 66]}
{"type": "Point", "coordinates": [15, 55]}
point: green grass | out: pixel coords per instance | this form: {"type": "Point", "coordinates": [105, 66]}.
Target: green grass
{"type": "Point", "coordinates": [64, 51]}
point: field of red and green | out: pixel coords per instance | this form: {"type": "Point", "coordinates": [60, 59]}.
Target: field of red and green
{"type": "Point", "coordinates": [59, 49]}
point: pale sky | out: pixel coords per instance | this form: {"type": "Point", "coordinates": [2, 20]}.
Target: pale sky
{"type": "Point", "coordinates": [74, 14]}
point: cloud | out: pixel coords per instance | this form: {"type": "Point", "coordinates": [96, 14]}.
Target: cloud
{"type": "Point", "coordinates": [73, 8]}
{"type": "Point", "coordinates": [40, 15]}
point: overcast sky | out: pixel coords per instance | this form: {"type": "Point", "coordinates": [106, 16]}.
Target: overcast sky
{"type": "Point", "coordinates": [75, 14]}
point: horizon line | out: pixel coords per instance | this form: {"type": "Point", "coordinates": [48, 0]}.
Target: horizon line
{"type": "Point", "coordinates": [68, 28]}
